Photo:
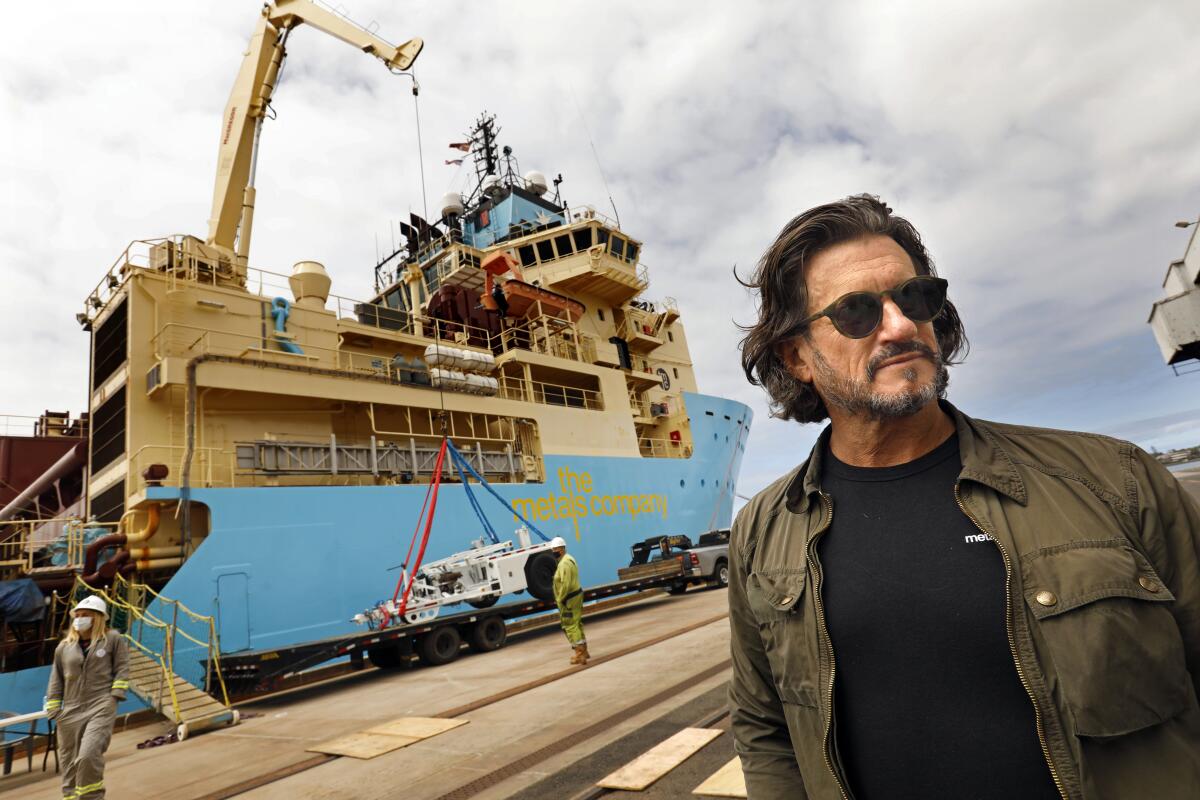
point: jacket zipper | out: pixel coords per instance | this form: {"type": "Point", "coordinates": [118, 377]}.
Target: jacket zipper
{"type": "Point", "coordinates": [1012, 645]}
{"type": "Point", "coordinates": [814, 567]}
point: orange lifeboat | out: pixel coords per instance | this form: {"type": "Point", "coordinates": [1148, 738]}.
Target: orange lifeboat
{"type": "Point", "coordinates": [522, 297]}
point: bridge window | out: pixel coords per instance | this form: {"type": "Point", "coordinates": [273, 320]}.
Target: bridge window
{"type": "Point", "coordinates": [631, 253]}
{"type": "Point", "coordinates": [563, 245]}
{"type": "Point", "coordinates": [545, 250]}
{"type": "Point", "coordinates": [526, 254]}
{"type": "Point", "coordinates": [617, 246]}
{"type": "Point", "coordinates": [583, 238]}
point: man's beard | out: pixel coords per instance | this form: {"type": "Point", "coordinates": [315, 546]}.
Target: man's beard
{"type": "Point", "coordinates": [857, 396]}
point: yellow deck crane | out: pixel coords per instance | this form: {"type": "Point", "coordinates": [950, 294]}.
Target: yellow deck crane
{"type": "Point", "coordinates": [227, 247]}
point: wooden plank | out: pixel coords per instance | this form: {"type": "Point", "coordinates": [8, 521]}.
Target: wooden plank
{"type": "Point", "coordinates": [417, 727]}
{"type": "Point", "coordinates": [363, 745]}
{"type": "Point", "coordinates": [728, 781]}
{"type": "Point", "coordinates": [659, 760]}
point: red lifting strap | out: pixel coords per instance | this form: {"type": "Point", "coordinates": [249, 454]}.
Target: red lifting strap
{"type": "Point", "coordinates": [431, 496]}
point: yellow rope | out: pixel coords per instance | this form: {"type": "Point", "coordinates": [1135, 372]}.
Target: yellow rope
{"type": "Point", "coordinates": [210, 645]}
{"type": "Point", "coordinates": [164, 659]}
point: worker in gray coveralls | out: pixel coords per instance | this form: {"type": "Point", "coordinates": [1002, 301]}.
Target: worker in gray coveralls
{"type": "Point", "coordinates": [89, 677]}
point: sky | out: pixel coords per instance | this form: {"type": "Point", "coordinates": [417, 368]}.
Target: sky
{"type": "Point", "coordinates": [1043, 150]}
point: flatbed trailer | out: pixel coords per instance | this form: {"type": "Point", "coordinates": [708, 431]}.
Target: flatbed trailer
{"type": "Point", "coordinates": [438, 641]}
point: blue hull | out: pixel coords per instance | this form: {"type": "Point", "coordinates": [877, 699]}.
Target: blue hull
{"type": "Point", "coordinates": [283, 565]}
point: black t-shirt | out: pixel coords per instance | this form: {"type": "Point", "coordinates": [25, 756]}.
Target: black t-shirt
{"type": "Point", "coordinates": [928, 703]}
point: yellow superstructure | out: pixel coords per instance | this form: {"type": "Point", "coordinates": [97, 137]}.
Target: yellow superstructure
{"type": "Point", "coordinates": [190, 373]}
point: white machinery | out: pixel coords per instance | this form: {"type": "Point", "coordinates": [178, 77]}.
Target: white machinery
{"type": "Point", "coordinates": [479, 576]}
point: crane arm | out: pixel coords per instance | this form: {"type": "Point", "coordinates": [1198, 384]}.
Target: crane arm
{"type": "Point", "coordinates": [233, 195]}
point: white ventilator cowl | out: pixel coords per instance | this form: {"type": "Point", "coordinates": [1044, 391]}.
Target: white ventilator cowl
{"type": "Point", "coordinates": [93, 603]}
{"type": "Point", "coordinates": [558, 541]}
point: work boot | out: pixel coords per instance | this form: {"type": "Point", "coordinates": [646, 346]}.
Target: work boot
{"type": "Point", "coordinates": [586, 655]}
{"type": "Point", "coordinates": [578, 657]}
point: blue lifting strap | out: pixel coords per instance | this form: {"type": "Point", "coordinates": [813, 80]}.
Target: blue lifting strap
{"type": "Point", "coordinates": [483, 520]}
{"type": "Point", "coordinates": [462, 464]}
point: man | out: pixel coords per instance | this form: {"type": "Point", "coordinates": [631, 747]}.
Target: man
{"type": "Point", "coordinates": [568, 594]}
{"type": "Point", "coordinates": [934, 606]}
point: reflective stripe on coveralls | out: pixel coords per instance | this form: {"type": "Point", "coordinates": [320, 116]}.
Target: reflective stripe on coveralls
{"type": "Point", "coordinates": [568, 595]}
{"type": "Point", "coordinates": [82, 698]}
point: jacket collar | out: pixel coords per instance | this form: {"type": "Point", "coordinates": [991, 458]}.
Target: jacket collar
{"type": "Point", "coordinates": [983, 461]}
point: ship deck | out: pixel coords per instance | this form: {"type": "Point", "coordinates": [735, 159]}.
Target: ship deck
{"type": "Point", "coordinates": [536, 727]}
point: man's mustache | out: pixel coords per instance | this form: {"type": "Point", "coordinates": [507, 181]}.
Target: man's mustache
{"type": "Point", "coordinates": [896, 349]}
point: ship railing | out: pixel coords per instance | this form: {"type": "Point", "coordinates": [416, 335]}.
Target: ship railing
{"type": "Point", "coordinates": [46, 425]}
{"type": "Point", "coordinates": [211, 466]}
{"type": "Point", "coordinates": [299, 456]}
{"type": "Point", "coordinates": [553, 394]}
{"type": "Point", "coordinates": [547, 335]}
{"type": "Point", "coordinates": [657, 447]}
{"type": "Point", "coordinates": [21, 539]}
{"type": "Point", "coordinates": [639, 403]}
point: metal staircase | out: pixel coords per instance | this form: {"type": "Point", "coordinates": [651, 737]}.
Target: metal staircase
{"type": "Point", "coordinates": [184, 685]}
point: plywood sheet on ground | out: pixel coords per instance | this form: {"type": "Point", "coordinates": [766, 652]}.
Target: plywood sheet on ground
{"type": "Point", "coordinates": [728, 781]}
{"type": "Point", "coordinates": [659, 760]}
{"type": "Point", "coordinates": [417, 727]}
{"type": "Point", "coordinates": [386, 737]}
{"type": "Point", "coordinates": [363, 745]}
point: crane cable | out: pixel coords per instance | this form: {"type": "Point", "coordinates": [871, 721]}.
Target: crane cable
{"type": "Point", "coordinates": [416, 90]}
{"type": "Point", "coordinates": [405, 583]}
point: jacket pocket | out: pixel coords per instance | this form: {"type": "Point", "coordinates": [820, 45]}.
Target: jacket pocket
{"type": "Point", "coordinates": [1105, 617]}
{"type": "Point", "coordinates": [788, 635]}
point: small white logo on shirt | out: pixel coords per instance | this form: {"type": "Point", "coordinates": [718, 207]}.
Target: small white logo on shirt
{"type": "Point", "coordinates": [100, 652]}
{"type": "Point", "coordinates": [973, 538]}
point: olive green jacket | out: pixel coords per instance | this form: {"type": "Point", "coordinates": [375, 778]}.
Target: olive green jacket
{"type": "Point", "coordinates": [81, 686]}
{"type": "Point", "coordinates": [1101, 548]}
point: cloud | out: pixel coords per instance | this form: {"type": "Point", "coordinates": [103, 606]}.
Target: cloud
{"type": "Point", "coordinates": [1042, 149]}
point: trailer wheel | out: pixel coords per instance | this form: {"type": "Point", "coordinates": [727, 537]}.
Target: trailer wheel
{"type": "Point", "coordinates": [484, 602]}
{"type": "Point", "coordinates": [386, 656]}
{"type": "Point", "coordinates": [488, 634]}
{"type": "Point", "coordinates": [439, 646]}
{"type": "Point", "coordinates": [677, 588]}
{"type": "Point", "coordinates": [539, 575]}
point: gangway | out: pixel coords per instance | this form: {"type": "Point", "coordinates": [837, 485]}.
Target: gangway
{"type": "Point", "coordinates": [177, 689]}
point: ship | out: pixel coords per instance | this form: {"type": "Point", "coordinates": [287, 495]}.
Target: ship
{"type": "Point", "coordinates": [259, 448]}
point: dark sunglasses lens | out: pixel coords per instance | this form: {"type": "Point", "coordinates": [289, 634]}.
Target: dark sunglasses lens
{"type": "Point", "coordinates": [920, 300]}
{"type": "Point", "coordinates": [856, 315]}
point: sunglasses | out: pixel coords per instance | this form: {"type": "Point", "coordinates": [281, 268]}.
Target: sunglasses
{"type": "Point", "coordinates": [856, 315]}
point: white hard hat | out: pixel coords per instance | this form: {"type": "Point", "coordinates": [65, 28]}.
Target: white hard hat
{"type": "Point", "coordinates": [93, 603]}
{"type": "Point", "coordinates": [558, 541]}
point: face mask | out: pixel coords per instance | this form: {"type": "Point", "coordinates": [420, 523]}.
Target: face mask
{"type": "Point", "coordinates": [82, 623]}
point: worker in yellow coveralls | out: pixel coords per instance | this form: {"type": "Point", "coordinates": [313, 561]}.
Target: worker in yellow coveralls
{"type": "Point", "coordinates": [89, 677]}
{"type": "Point", "coordinates": [568, 594]}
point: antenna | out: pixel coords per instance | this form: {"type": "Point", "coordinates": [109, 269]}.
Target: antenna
{"type": "Point", "coordinates": [596, 156]}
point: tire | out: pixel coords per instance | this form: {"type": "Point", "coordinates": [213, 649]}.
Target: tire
{"type": "Point", "coordinates": [386, 656]}
{"type": "Point", "coordinates": [488, 634]}
{"type": "Point", "coordinates": [720, 576]}
{"type": "Point", "coordinates": [439, 646]}
{"type": "Point", "coordinates": [539, 575]}
{"type": "Point", "coordinates": [677, 588]}
{"type": "Point", "coordinates": [484, 602]}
